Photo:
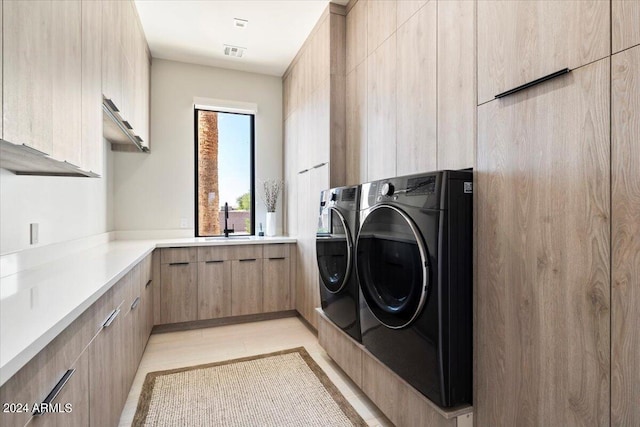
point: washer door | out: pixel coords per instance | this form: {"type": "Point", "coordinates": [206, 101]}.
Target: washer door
{"type": "Point", "coordinates": [392, 266]}
{"type": "Point", "coordinates": [334, 250]}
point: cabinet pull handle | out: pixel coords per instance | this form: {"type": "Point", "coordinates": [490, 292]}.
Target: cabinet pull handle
{"type": "Point", "coordinates": [111, 105]}
{"type": "Point", "coordinates": [247, 259]}
{"type": "Point", "coordinates": [319, 165]}
{"type": "Point", "coordinates": [214, 261]}
{"type": "Point", "coordinates": [135, 303]}
{"type": "Point", "coordinates": [303, 171]}
{"type": "Point", "coordinates": [127, 124]}
{"type": "Point", "coordinates": [148, 283]}
{"type": "Point", "coordinates": [55, 392]}
{"type": "Point", "coordinates": [139, 139]}
{"type": "Point", "coordinates": [178, 263]}
{"type": "Point", "coordinates": [111, 318]}
{"type": "Point", "coordinates": [277, 258]}
{"type": "Point", "coordinates": [533, 83]}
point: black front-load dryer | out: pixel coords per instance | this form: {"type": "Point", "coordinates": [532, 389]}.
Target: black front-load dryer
{"type": "Point", "coordinates": [335, 236]}
{"type": "Point", "coordinates": [414, 267]}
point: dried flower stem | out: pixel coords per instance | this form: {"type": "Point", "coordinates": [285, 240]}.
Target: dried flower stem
{"type": "Point", "coordinates": [272, 188]}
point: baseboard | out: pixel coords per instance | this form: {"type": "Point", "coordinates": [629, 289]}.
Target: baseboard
{"type": "Point", "coordinates": [199, 324]}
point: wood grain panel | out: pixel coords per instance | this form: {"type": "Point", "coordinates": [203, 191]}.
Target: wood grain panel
{"type": "Point", "coordinates": [157, 305]}
{"type": "Point", "coordinates": [28, 80]}
{"type": "Point", "coordinates": [246, 287]}
{"type": "Point", "coordinates": [456, 84]}
{"type": "Point", "coordinates": [169, 255]}
{"type": "Point", "coordinates": [178, 292]}
{"type": "Point", "coordinates": [356, 125]}
{"type": "Point", "coordinates": [381, 22]}
{"type": "Point", "coordinates": [542, 292]}
{"type": "Point", "coordinates": [92, 140]}
{"type": "Point", "coordinates": [213, 253]}
{"type": "Point", "coordinates": [214, 289]}
{"type": "Point", "coordinates": [276, 287]}
{"type": "Point", "coordinates": [245, 251]}
{"type": "Point", "coordinates": [341, 348]}
{"type": "Point", "coordinates": [1, 66]}
{"type": "Point", "coordinates": [381, 111]}
{"type": "Point", "coordinates": [416, 149]}
{"type": "Point", "coordinates": [337, 131]}
{"type": "Point", "coordinates": [625, 167]}
{"type": "Point", "coordinates": [521, 41]}
{"type": "Point", "coordinates": [276, 250]}
{"type": "Point", "coordinates": [625, 19]}
{"type": "Point", "coordinates": [112, 58]}
{"type": "Point", "coordinates": [356, 49]}
{"type": "Point", "coordinates": [67, 80]}
{"type": "Point", "coordinates": [407, 8]}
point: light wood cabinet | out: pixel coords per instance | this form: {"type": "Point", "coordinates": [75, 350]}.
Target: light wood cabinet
{"type": "Point", "coordinates": [112, 79]}
{"type": "Point", "coordinates": [91, 55]}
{"type": "Point", "coordinates": [356, 125]}
{"type": "Point", "coordinates": [346, 353]}
{"type": "Point", "coordinates": [625, 30]}
{"type": "Point", "coordinates": [381, 22]}
{"type": "Point", "coordinates": [521, 41]}
{"type": "Point", "coordinates": [246, 286]}
{"type": "Point", "coordinates": [276, 279]}
{"type": "Point", "coordinates": [381, 110]}
{"type": "Point", "coordinates": [456, 112]}
{"type": "Point", "coordinates": [28, 78]}
{"type": "Point", "coordinates": [542, 294]}
{"type": "Point", "coordinates": [416, 149]}
{"type": "Point", "coordinates": [1, 80]}
{"type": "Point", "coordinates": [356, 36]}
{"type": "Point", "coordinates": [214, 289]}
{"type": "Point", "coordinates": [625, 293]}
{"type": "Point", "coordinates": [179, 292]}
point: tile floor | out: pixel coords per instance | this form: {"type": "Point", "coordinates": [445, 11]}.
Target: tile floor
{"type": "Point", "coordinates": [179, 349]}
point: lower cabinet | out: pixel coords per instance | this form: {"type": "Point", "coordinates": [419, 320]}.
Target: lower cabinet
{"type": "Point", "coordinates": [246, 286]}
{"type": "Point", "coordinates": [179, 291]}
{"type": "Point", "coordinates": [214, 289]}
{"type": "Point", "coordinates": [276, 279]}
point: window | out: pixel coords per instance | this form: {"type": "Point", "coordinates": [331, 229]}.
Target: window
{"type": "Point", "coordinates": [224, 172]}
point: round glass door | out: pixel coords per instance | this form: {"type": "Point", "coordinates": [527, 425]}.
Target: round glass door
{"type": "Point", "coordinates": [392, 267]}
{"type": "Point", "coordinates": [333, 249]}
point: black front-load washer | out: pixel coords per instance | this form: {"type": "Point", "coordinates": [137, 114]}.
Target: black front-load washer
{"type": "Point", "coordinates": [335, 236]}
{"type": "Point", "coordinates": [414, 267]}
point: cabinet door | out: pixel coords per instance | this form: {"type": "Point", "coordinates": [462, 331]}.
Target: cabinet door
{"type": "Point", "coordinates": [625, 30]}
{"type": "Point", "coordinates": [28, 76]}
{"type": "Point", "coordinates": [74, 397]}
{"type": "Point", "coordinates": [542, 293]}
{"type": "Point", "coordinates": [66, 69]}
{"type": "Point", "coordinates": [246, 286]}
{"type": "Point", "coordinates": [214, 289]}
{"type": "Point", "coordinates": [276, 281]}
{"type": "Point", "coordinates": [112, 51]}
{"type": "Point", "coordinates": [520, 41]}
{"type": "Point", "coordinates": [1, 81]}
{"type": "Point", "coordinates": [302, 244]}
{"type": "Point", "coordinates": [179, 292]}
{"type": "Point", "coordinates": [416, 149]}
{"type": "Point", "coordinates": [625, 167]}
{"type": "Point", "coordinates": [92, 139]}
{"type": "Point", "coordinates": [106, 374]}
{"type": "Point", "coordinates": [456, 84]}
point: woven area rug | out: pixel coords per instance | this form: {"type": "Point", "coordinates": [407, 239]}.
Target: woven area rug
{"type": "Point", "coordinates": [285, 388]}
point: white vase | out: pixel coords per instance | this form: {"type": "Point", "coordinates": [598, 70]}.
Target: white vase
{"type": "Point", "coordinates": [271, 224]}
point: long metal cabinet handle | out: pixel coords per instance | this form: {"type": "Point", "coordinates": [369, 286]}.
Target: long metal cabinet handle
{"type": "Point", "coordinates": [135, 303]}
{"type": "Point", "coordinates": [178, 263]}
{"type": "Point", "coordinates": [247, 259]}
{"type": "Point", "coordinates": [55, 392]}
{"type": "Point", "coordinates": [127, 124]}
{"type": "Point", "coordinates": [277, 258]}
{"type": "Point", "coordinates": [214, 261]}
{"type": "Point", "coordinates": [533, 83]}
{"type": "Point", "coordinates": [111, 318]}
{"type": "Point", "coordinates": [148, 283]}
{"type": "Point", "coordinates": [111, 105]}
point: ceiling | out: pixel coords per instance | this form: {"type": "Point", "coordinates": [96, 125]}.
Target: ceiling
{"type": "Point", "coordinates": [196, 31]}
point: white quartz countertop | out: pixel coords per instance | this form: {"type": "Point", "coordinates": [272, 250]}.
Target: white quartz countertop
{"type": "Point", "coordinates": [38, 303]}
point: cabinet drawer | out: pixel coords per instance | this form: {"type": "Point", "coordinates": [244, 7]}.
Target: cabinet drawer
{"type": "Point", "coordinates": [245, 252]}
{"type": "Point", "coordinates": [40, 375]}
{"type": "Point", "coordinates": [172, 255]}
{"type": "Point", "coordinates": [213, 253]}
{"type": "Point", "coordinates": [276, 251]}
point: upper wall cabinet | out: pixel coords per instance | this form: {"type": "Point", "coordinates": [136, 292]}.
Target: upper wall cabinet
{"type": "Point", "coordinates": [625, 21]}
{"type": "Point", "coordinates": [521, 41]}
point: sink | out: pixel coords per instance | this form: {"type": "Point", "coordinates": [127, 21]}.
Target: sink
{"type": "Point", "coordinates": [228, 239]}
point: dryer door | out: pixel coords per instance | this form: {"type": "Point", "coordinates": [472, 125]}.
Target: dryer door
{"type": "Point", "coordinates": [334, 250]}
{"type": "Point", "coordinates": [392, 266]}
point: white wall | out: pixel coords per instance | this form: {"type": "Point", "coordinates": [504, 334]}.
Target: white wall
{"type": "Point", "coordinates": [154, 191]}
{"type": "Point", "coordinates": [65, 208]}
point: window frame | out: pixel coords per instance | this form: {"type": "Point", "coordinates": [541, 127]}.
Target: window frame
{"type": "Point", "coordinates": [252, 168]}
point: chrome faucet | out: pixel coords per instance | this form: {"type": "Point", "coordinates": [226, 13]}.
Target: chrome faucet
{"type": "Point", "coordinates": [227, 230]}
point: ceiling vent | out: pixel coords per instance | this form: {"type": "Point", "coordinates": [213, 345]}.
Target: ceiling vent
{"type": "Point", "coordinates": [240, 23]}
{"type": "Point", "coordinates": [234, 51]}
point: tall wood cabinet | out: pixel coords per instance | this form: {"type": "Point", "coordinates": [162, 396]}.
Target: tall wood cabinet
{"type": "Point", "coordinates": [625, 31]}
{"type": "Point", "coordinates": [542, 293]}
{"type": "Point", "coordinates": [625, 292]}
{"type": "Point", "coordinates": [521, 41]}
